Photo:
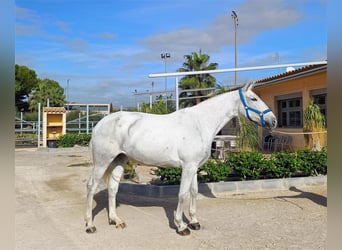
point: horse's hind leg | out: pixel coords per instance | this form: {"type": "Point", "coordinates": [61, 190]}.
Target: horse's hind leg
{"type": "Point", "coordinates": [113, 186]}
{"type": "Point", "coordinates": [101, 164]}
{"type": "Point", "coordinates": [91, 189]}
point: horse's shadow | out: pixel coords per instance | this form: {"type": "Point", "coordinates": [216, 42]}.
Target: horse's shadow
{"type": "Point", "coordinates": [316, 198]}
{"type": "Point", "coordinates": [169, 204]}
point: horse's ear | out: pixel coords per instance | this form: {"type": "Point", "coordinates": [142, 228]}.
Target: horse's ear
{"type": "Point", "coordinates": [248, 86]}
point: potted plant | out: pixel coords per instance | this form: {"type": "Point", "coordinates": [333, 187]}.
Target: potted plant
{"type": "Point", "coordinates": [314, 122]}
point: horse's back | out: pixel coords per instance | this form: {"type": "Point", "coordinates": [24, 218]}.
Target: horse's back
{"type": "Point", "coordinates": [114, 122]}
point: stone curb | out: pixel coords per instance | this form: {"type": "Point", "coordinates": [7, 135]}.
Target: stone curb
{"type": "Point", "coordinates": [216, 188]}
{"type": "Point", "coordinates": [67, 149]}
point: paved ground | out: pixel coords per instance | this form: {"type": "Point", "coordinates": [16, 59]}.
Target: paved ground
{"type": "Point", "coordinates": [50, 205]}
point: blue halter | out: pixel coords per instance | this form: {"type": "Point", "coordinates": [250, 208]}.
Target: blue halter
{"type": "Point", "coordinates": [247, 108]}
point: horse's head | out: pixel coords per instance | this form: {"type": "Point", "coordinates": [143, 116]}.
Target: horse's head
{"type": "Point", "coordinates": [255, 109]}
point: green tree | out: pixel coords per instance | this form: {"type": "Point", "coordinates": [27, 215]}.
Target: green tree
{"type": "Point", "coordinates": [159, 106]}
{"type": "Point", "coordinates": [25, 81]}
{"type": "Point", "coordinates": [47, 90]}
{"type": "Point", "coordinates": [111, 108]}
{"type": "Point", "coordinates": [196, 62]}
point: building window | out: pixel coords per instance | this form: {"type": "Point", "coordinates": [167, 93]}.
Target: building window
{"type": "Point", "coordinates": [320, 98]}
{"type": "Point", "coordinates": [290, 111]}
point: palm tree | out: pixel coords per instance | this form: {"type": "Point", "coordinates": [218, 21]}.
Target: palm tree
{"type": "Point", "coordinates": [196, 62]}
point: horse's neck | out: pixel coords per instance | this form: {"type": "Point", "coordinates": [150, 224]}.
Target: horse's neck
{"type": "Point", "coordinates": [214, 113]}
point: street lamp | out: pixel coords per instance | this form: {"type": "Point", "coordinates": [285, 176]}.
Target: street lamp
{"type": "Point", "coordinates": [235, 18]}
{"type": "Point", "coordinates": [164, 56]}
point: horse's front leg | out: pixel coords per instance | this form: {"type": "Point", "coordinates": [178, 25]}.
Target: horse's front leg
{"type": "Point", "coordinates": [188, 173]}
{"type": "Point", "coordinates": [194, 224]}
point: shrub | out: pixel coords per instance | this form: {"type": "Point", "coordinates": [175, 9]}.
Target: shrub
{"type": "Point", "coordinates": [70, 140]}
{"type": "Point", "coordinates": [253, 165]}
{"type": "Point", "coordinates": [285, 165]}
{"type": "Point", "coordinates": [170, 176]}
{"type": "Point", "coordinates": [214, 170]}
{"type": "Point", "coordinates": [312, 162]}
{"type": "Point", "coordinates": [248, 165]}
{"type": "Point", "coordinates": [129, 170]}
{"type": "Point", "coordinates": [271, 170]}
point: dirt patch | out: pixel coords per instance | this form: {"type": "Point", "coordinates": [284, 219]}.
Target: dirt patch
{"type": "Point", "coordinates": [81, 164]}
{"type": "Point", "coordinates": [62, 183]}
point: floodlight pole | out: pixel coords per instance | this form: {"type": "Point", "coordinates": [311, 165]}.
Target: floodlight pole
{"type": "Point", "coordinates": [235, 18]}
{"type": "Point", "coordinates": [164, 56]}
{"type": "Point", "coordinates": [177, 94]}
{"type": "Point", "coordinates": [67, 94]}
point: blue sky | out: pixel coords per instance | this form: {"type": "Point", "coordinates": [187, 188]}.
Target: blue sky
{"type": "Point", "coordinates": [107, 49]}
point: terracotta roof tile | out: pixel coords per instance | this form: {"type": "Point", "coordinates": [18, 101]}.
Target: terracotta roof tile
{"type": "Point", "coordinates": [54, 109]}
{"type": "Point", "coordinates": [290, 73]}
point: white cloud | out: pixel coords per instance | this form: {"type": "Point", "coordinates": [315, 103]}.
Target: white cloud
{"type": "Point", "coordinates": [25, 14]}
{"type": "Point", "coordinates": [77, 44]}
{"type": "Point", "coordinates": [108, 35]}
{"type": "Point", "coordinates": [22, 29]}
{"type": "Point", "coordinates": [63, 26]}
{"type": "Point", "coordinates": [258, 16]}
{"type": "Point", "coordinates": [28, 22]}
{"type": "Point", "coordinates": [254, 17]}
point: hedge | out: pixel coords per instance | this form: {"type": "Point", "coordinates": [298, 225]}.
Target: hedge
{"type": "Point", "coordinates": [70, 140]}
{"type": "Point", "coordinates": [254, 165]}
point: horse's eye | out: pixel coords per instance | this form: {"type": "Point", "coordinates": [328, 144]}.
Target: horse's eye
{"type": "Point", "coordinates": [254, 99]}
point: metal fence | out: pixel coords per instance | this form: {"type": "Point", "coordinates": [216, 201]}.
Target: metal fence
{"type": "Point", "coordinates": [26, 132]}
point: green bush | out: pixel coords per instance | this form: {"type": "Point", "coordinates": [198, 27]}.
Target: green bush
{"type": "Point", "coordinates": [169, 176]}
{"type": "Point", "coordinates": [254, 165]}
{"type": "Point", "coordinates": [70, 140]}
{"type": "Point", "coordinates": [214, 170]}
{"type": "Point", "coordinates": [248, 165]}
{"type": "Point", "coordinates": [286, 165]}
{"type": "Point", "coordinates": [312, 162]}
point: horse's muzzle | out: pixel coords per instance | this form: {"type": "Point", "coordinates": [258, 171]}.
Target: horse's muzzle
{"type": "Point", "coordinates": [271, 123]}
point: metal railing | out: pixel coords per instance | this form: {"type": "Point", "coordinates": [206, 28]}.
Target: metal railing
{"type": "Point", "coordinates": [26, 132]}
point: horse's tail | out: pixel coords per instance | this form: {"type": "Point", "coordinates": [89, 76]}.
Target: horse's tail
{"type": "Point", "coordinates": [108, 172]}
{"type": "Point", "coordinates": [91, 158]}
{"type": "Point", "coordinates": [120, 159]}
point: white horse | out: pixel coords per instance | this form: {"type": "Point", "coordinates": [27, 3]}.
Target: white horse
{"type": "Point", "coordinates": [180, 139]}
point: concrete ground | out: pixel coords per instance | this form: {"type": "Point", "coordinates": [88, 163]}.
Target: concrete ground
{"type": "Point", "coordinates": [50, 190]}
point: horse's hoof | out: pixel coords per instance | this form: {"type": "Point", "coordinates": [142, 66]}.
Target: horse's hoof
{"type": "Point", "coordinates": [91, 230]}
{"type": "Point", "coordinates": [194, 226]}
{"type": "Point", "coordinates": [184, 232]}
{"type": "Point", "coordinates": [117, 225]}
{"type": "Point", "coordinates": [121, 225]}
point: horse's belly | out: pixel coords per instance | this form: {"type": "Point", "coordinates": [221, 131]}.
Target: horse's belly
{"type": "Point", "coordinates": [151, 154]}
